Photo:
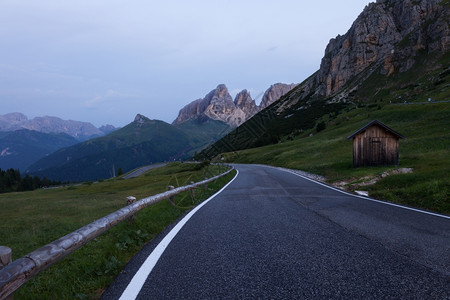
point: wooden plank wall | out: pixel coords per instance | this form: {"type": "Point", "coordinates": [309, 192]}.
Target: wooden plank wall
{"type": "Point", "coordinates": [375, 146]}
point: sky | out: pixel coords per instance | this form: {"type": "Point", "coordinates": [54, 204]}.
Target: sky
{"type": "Point", "coordinates": [104, 61]}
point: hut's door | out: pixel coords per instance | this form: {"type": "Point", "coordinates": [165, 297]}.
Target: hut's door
{"type": "Point", "coordinates": [376, 151]}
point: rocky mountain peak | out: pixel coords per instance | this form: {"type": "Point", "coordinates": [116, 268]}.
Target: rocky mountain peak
{"type": "Point", "coordinates": [141, 120]}
{"type": "Point", "coordinates": [244, 101]}
{"type": "Point", "coordinates": [219, 105]}
{"type": "Point", "coordinates": [242, 98]}
{"type": "Point", "coordinates": [275, 92]}
{"type": "Point", "coordinates": [12, 119]}
{"type": "Point", "coordinates": [222, 108]}
{"type": "Point", "coordinates": [387, 37]}
{"type": "Point", "coordinates": [221, 93]}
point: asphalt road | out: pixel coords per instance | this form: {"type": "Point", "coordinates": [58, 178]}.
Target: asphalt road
{"type": "Point", "coordinates": [273, 234]}
{"type": "Point", "coordinates": [142, 170]}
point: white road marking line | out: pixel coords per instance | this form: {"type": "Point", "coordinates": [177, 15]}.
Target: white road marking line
{"type": "Point", "coordinates": [136, 283]}
{"type": "Point", "coordinates": [367, 198]}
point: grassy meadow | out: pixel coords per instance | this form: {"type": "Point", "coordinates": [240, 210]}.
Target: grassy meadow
{"type": "Point", "coordinates": [29, 220]}
{"type": "Point", "coordinates": [329, 153]}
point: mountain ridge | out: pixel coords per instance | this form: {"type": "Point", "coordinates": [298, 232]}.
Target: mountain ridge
{"type": "Point", "coordinates": [48, 124]}
{"type": "Point", "coordinates": [219, 105]}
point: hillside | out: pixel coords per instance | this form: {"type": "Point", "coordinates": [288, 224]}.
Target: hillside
{"type": "Point", "coordinates": [28, 225]}
{"type": "Point", "coordinates": [142, 142]}
{"type": "Point", "coordinates": [203, 131]}
{"type": "Point", "coordinates": [21, 148]}
{"type": "Point", "coordinates": [395, 52]}
{"type": "Point", "coordinates": [329, 153]}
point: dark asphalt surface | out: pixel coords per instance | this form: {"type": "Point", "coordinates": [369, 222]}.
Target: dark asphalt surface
{"type": "Point", "coordinates": [142, 170]}
{"type": "Point", "coordinates": [272, 234]}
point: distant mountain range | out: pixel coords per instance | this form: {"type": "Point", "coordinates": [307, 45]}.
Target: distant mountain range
{"type": "Point", "coordinates": [79, 130]}
{"type": "Point", "coordinates": [31, 145]}
{"type": "Point", "coordinates": [145, 141]}
{"type": "Point", "coordinates": [24, 141]}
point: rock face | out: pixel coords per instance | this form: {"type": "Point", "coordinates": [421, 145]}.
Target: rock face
{"type": "Point", "coordinates": [12, 120]}
{"type": "Point", "coordinates": [140, 120]}
{"type": "Point", "coordinates": [219, 105]}
{"type": "Point", "coordinates": [244, 101]}
{"type": "Point", "coordinates": [387, 37]}
{"type": "Point", "coordinates": [275, 92]}
{"type": "Point", "coordinates": [76, 129]}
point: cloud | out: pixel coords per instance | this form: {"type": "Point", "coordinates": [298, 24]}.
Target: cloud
{"type": "Point", "coordinates": [98, 100]}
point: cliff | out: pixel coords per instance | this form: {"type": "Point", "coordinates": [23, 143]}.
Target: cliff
{"type": "Point", "coordinates": [244, 101]}
{"type": "Point", "coordinates": [275, 92]}
{"type": "Point", "coordinates": [388, 37]}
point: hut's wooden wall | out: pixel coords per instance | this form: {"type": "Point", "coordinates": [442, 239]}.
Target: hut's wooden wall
{"type": "Point", "coordinates": [375, 146]}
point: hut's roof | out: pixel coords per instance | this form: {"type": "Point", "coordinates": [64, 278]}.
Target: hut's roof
{"type": "Point", "coordinates": [376, 122]}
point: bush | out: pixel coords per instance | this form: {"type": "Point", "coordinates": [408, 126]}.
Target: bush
{"type": "Point", "coordinates": [321, 126]}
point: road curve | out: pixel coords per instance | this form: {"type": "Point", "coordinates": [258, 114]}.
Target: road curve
{"type": "Point", "coordinates": [142, 170]}
{"type": "Point", "coordinates": [274, 234]}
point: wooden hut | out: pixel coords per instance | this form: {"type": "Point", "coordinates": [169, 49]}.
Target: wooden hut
{"type": "Point", "coordinates": [375, 144]}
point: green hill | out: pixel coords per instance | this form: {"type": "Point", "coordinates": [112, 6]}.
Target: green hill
{"type": "Point", "coordinates": [203, 131]}
{"type": "Point", "coordinates": [142, 142]}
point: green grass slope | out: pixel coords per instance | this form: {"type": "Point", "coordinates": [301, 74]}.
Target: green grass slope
{"type": "Point", "coordinates": [137, 144]}
{"type": "Point", "coordinates": [203, 131]}
{"type": "Point", "coordinates": [30, 220]}
{"type": "Point", "coordinates": [329, 153]}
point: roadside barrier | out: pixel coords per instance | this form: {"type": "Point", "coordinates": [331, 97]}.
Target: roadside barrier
{"type": "Point", "coordinates": [14, 274]}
